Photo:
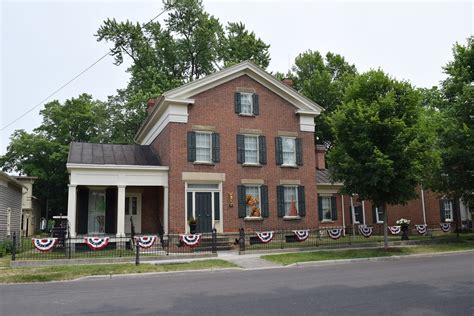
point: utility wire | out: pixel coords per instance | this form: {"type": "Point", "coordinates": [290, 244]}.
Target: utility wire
{"type": "Point", "coordinates": [71, 80]}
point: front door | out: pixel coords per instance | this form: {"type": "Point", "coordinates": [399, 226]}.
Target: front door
{"type": "Point", "coordinates": [203, 212]}
{"type": "Point", "coordinates": [133, 210]}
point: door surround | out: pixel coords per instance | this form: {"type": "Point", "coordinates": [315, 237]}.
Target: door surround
{"type": "Point", "coordinates": [200, 186]}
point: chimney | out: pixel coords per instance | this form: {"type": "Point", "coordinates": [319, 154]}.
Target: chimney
{"type": "Point", "coordinates": [320, 157]}
{"type": "Point", "coordinates": [288, 82]}
{"type": "Point", "coordinates": [150, 104]}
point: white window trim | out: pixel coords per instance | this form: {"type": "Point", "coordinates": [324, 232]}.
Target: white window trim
{"type": "Point", "coordinates": [354, 217]}
{"type": "Point", "coordinates": [251, 104]}
{"type": "Point", "coordinates": [248, 217]}
{"type": "Point", "coordinates": [296, 201]}
{"type": "Point", "coordinates": [294, 152]}
{"type": "Point", "coordinates": [210, 148]}
{"type": "Point", "coordinates": [450, 220]}
{"type": "Point", "coordinates": [379, 221]}
{"type": "Point", "coordinates": [258, 151]}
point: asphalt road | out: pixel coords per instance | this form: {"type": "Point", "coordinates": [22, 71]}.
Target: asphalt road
{"type": "Point", "coordinates": [442, 285]}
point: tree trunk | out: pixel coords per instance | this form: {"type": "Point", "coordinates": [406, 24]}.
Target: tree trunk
{"type": "Point", "coordinates": [385, 227]}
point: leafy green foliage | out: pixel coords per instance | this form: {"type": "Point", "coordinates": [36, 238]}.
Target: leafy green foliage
{"type": "Point", "coordinates": [381, 149]}
{"type": "Point", "coordinates": [323, 80]}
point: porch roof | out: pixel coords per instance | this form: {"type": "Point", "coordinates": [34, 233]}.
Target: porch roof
{"type": "Point", "coordinates": [112, 154]}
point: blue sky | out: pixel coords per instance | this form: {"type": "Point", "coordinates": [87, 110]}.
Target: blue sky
{"type": "Point", "coordinates": [45, 43]}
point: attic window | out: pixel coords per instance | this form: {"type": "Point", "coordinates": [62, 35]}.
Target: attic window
{"type": "Point", "coordinates": [246, 104]}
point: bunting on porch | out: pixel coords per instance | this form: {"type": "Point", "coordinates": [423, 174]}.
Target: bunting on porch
{"type": "Point", "coordinates": [265, 237]}
{"type": "Point", "coordinates": [301, 235]}
{"type": "Point", "coordinates": [190, 240]}
{"type": "Point", "coordinates": [445, 227]}
{"type": "Point", "coordinates": [335, 233]}
{"type": "Point", "coordinates": [395, 230]}
{"type": "Point", "coordinates": [145, 242]}
{"type": "Point", "coordinates": [44, 244]}
{"type": "Point", "coordinates": [365, 231]}
{"type": "Point", "coordinates": [421, 229]}
{"type": "Point", "coordinates": [96, 243]}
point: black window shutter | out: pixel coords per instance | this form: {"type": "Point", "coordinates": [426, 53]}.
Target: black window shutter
{"type": "Point", "coordinates": [262, 148]}
{"type": "Point", "coordinates": [320, 207]}
{"type": "Point", "coordinates": [301, 201]}
{"type": "Point", "coordinates": [190, 205]}
{"type": "Point", "coordinates": [256, 107]}
{"type": "Point", "coordinates": [442, 213]}
{"type": "Point", "coordinates": [216, 148]}
{"type": "Point", "coordinates": [280, 201]}
{"type": "Point", "coordinates": [374, 214]}
{"type": "Point", "coordinates": [264, 200]}
{"type": "Point", "coordinates": [82, 209]}
{"type": "Point", "coordinates": [299, 151]}
{"type": "Point", "coordinates": [217, 206]}
{"type": "Point", "coordinates": [191, 146]}
{"type": "Point", "coordinates": [237, 102]}
{"type": "Point", "coordinates": [240, 149]}
{"type": "Point", "coordinates": [351, 213]}
{"type": "Point", "coordinates": [334, 208]}
{"type": "Point", "coordinates": [242, 201]}
{"type": "Point", "coordinates": [278, 151]}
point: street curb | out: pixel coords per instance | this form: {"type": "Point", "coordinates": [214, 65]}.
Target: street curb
{"type": "Point", "coordinates": [375, 259]}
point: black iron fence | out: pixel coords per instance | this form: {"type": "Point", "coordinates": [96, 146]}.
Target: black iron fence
{"type": "Point", "coordinates": [101, 246]}
{"type": "Point", "coordinates": [337, 236]}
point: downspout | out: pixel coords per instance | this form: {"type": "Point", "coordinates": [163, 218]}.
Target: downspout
{"type": "Point", "coordinates": [363, 211]}
{"type": "Point", "coordinates": [353, 217]}
{"type": "Point", "coordinates": [343, 215]}
{"type": "Point", "coordinates": [423, 205]}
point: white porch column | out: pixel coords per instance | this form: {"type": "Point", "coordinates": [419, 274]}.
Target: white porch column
{"type": "Point", "coordinates": [71, 209]}
{"type": "Point", "coordinates": [363, 211]}
{"type": "Point", "coordinates": [121, 211]}
{"type": "Point", "coordinates": [165, 210]}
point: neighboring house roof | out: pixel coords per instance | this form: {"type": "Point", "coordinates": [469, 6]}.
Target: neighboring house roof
{"type": "Point", "coordinates": [323, 177]}
{"type": "Point", "coordinates": [183, 94]}
{"type": "Point", "coordinates": [10, 179]}
{"type": "Point", "coordinates": [112, 154]}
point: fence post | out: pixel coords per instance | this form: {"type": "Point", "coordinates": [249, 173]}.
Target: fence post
{"type": "Point", "coordinates": [214, 240]}
{"type": "Point", "coordinates": [14, 246]}
{"type": "Point", "coordinates": [137, 253]}
{"type": "Point", "coordinates": [241, 239]}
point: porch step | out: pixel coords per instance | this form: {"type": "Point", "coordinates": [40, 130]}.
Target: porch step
{"type": "Point", "coordinates": [222, 243]}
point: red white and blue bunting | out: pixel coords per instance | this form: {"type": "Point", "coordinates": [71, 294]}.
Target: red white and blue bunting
{"type": "Point", "coordinates": [265, 237]}
{"type": "Point", "coordinates": [365, 231]}
{"type": "Point", "coordinates": [335, 233]}
{"type": "Point", "coordinates": [301, 235]}
{"type": "Point", "coordinates": [445, 227]}
{"type": "Point", "coordinates": [395, 230]}
{"type": "Point", "coordinates": [97, 243]}
{"type": "Point", "coordinates": [145, 242]}
{"type": "Point", "coordinates": [421, 229]}
{"type": "Point", "coordinates": [44, 244]}
{"type": "Point", "coordinates": [190, 240]}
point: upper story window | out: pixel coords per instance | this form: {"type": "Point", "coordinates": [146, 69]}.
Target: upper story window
{"type": "Point", "coordinates": [289, 151]}
{"type": "Point", "coordinates": [251, 150]}
{"type": "Point", "coordinates": [246, 103]}
{"type": "Point", "coordinates": [327, 208]}
{"type": "Point", "coordinates": [203, 147]}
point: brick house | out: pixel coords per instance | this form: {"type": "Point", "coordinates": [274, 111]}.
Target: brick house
{"type": "Point", "coordinates": [204, 149]}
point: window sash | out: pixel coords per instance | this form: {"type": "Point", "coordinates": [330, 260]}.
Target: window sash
{"type": "Point", "coordinates": [251, 149]}
{"type": "Point", "coordinates": [289, 151]}
{"type": "Point", "coordinates": [289, 193]}
{"type": "Point", "coordinates": [255, 192]}
{"type": "Point", "coordinates": [246, 103]}
{"type": "Point", "coordinates": [448, 210]}
{"type": "Point", "coordinates": [203, 147]}
{"type": "Point", "coordinates": [326, 204]}
{"type": "Point", "coordinates": [379, 215]}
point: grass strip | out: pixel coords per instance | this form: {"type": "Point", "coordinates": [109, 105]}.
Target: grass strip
{"type": "Point", "coordinates": [71, 272]}
{"type": "Point", "coordinates": [290, 258]}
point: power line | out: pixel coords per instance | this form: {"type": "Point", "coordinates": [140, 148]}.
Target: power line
{"type": "Point", "coordinates": [71, 80]}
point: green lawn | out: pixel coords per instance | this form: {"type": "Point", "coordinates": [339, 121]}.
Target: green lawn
{"type": "Point", "coordinates": [70, 272]}
{"type": "Point", "coordinates": [290, 258]}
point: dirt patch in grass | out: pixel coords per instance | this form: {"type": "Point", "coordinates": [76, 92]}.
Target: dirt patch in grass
{"type": "Point", "coordinates": [71, 272]}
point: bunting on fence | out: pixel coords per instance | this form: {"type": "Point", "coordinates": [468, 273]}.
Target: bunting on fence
{"type": "Point", "coordinates": [421, 229]}
{"type": "Point", "coordinates": [445, 227]}
{"type": "Point", "coordinates": [365, 231]}
{"type": "Point", "coordinates": [190, 240]}
{"type": "Point", "coordinates": [44, 244]}
{"type": "Point", "coordinates": [97, 243]}
{"type": "Point", "coordinates": [395, 230]}
{"type": "Point", "coordinates": [265, 237]}
{"type": "Point", "coordinates": [335, 233]}
{"type": "Point", "coordinates": [145, 242]}
{"type": "Point", "coordinates": [301, 235]}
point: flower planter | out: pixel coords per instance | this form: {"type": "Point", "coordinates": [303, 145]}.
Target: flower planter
{"type": "Point", "coordinates": [192, 228]}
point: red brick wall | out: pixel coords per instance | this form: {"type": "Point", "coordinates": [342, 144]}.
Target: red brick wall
{"type": "Point", "coordinates": [215, 107]}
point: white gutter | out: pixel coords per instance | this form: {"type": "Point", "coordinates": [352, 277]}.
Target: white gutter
{"type": "Point", "coordinates": [114, 167]}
